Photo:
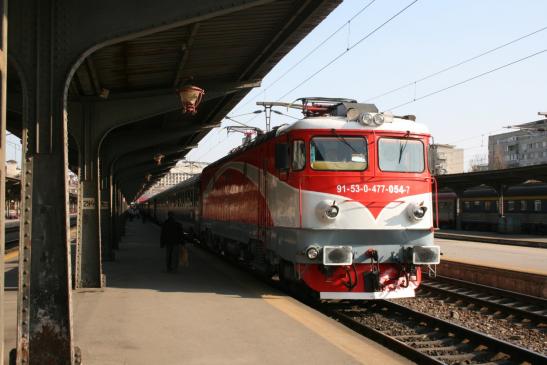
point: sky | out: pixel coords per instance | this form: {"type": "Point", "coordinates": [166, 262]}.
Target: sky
{"type": "Point", "coordinates": [427, 37]}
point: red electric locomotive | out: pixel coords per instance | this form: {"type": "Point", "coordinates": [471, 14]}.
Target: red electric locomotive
{"type": "Point", "coordinates": [340, 200]}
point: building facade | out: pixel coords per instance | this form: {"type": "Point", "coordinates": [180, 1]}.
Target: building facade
{"type": "Point", "coordinates": [183, 170]}
{"type": "Point", "coordinates": [526, 146]}
{"type": "Point", "coordinates": [448, 159]}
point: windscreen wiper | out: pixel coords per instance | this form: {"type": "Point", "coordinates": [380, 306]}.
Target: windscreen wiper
{"type": "Point", "coordinates": [403, 146]}
{"type": "Point", "coordinates": [343, 140]}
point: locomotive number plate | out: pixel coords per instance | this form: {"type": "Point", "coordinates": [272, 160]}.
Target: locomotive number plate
{"type": "Point", "coordinates": [373, 188]}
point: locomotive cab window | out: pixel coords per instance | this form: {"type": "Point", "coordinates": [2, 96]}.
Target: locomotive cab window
{"type": "Point", "coordinates": [401, 155]}
{"type": "Point", "coordinates": [298, 161]}
{"type": "Point", "coordinates": [338, 153]}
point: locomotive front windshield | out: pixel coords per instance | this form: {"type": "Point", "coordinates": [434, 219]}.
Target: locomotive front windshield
{"type": "Point", "coordinates": [338, 153]}
{"type": "Point", "coordinates": [401, 155]}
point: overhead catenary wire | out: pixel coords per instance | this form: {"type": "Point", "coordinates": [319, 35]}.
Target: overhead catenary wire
{"type": "Point", "coordinates": [474, 137]}
{"type": "Point", "coordinates": [467, 80]}
{"type": "Point", "coordinates": [348, 49]}
{"type": "Point", "coordinates": [413, 83]}
{"type": "Point", "coordinates": [305, 57]}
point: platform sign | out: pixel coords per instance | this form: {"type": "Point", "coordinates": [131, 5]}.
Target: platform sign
{"type": "Point", "coordinates": [88, 203]}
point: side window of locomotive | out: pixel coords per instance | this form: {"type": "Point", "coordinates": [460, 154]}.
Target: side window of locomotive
{"type": "Point", "coordinates": [298, 160]}
{"type": "Point", "coordinates": [401, 155]}
{"type": "Point", "coordinates": [432, 159]}
{"type": "Point", "coordinates": [282, 156]}
{"type": "Point", "coordinates": [339, 153]}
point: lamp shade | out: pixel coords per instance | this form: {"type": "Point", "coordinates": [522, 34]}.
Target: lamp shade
{"type": "Point", "coordinates": [190, 97]}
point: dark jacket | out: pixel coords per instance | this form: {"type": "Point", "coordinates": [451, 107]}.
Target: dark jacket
{"type": "Point", "coordinates": [171, 233]}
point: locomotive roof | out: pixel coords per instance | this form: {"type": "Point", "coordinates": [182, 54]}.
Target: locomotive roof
{"type": "Point", "coordinates": [327, 123]}
{"type": "Point", "coordinates": [341, 123]}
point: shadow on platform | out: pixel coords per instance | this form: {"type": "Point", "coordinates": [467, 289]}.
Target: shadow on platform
{"type": "Point", "coordinates": [140, 264]}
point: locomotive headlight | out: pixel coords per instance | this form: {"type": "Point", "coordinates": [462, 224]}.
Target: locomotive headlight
{"type": "Point", "coordinates": [378, 119]}
{"type": "Point", "coordinates": [328, 210]}
{"type": "Point", "coordinates": [366, 118]}
{"type": "Point", "coordinates": [332, 211]}
{"type": "Point", "coordinates": [416, 212]}
{"type": "Point", "coordinates": [312, 252]}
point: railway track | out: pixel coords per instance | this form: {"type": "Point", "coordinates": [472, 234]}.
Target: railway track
{"type": "Point", "coordinates": [12, 234]}
{"type": "Point", "coordinates": [527, 310]}
{"type": "Point", "coordinates": [417, 336]}
{"type": "Point", "coordinates": [426, 339]}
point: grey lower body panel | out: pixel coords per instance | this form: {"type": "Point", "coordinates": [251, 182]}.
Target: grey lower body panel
{"type": "Point", "coordinates": [290, 243]}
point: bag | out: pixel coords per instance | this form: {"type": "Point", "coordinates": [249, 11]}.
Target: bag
{"type": "Point", "coordinates": [183, 256]}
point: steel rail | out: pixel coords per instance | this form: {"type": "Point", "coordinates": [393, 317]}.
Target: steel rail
{"type": "Point", "coordinates": [520, 305]}
{"type": "Point", "coordinates": [443, 342]}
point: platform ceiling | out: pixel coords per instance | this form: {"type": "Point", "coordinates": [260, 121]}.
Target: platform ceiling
{"type": "Point", "coordinates": [224, 55]}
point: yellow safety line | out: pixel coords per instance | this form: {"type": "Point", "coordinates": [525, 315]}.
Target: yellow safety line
{"type": "Point", "coordinates": [14, 254]}
{"type": "Point", "coordinates": [361, 349]}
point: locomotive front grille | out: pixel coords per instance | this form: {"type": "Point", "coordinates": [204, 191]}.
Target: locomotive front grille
{"type": "Point", "coordinates": [337, 255]}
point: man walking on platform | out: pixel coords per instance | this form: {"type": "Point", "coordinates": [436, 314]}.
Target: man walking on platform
{"type": "Point", "coordinates": [171, 238]}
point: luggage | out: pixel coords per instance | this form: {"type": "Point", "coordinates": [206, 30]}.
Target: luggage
{"type": "Point", "coordinates": [183, 256]}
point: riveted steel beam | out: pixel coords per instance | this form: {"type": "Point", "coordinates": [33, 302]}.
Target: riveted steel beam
{"type": "Point", "coordinates": [106, 217]}
{"type": "Point", "coordinates": [147, 156]}
{"type": "Point", "coordinates": [88, 246]}
{"type": "Point", "coordinates": [44, 325]}
{"type": "Point", "coordinates": [122, 143]}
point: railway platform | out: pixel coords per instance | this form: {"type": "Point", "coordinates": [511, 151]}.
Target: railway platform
{"type": "Point", "coordinates": [207, 313]}
{"type": "Point", "coordinates": [518, 258]}
{"type": "Point", "coordinates": [539, 241]}
{"type": "Point", "coordinates": [520, 269]}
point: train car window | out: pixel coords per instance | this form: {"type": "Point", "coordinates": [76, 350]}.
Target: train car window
{"type": "Point", "coordinates": [523, 205]}
{"type": "Point", "coordinates": [467, 205]}
{"type": "Point", "coordinates": [487, 206]}
{"type": "Point", "coordinates": [401, 155]}
{"type": "Point", "coordinates": [298, 155]}
{"type": "Point", "coordinates": [510, 205]}
{"type": "Point", "coordinates": [339, 153]}
{"type": "Point", "coordinates": [537, 205]}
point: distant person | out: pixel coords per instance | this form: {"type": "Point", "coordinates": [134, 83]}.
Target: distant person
{"type": "Point", "coordinates": [132, 213]}
{"type": "Point", "coordinates": [171, 238]}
